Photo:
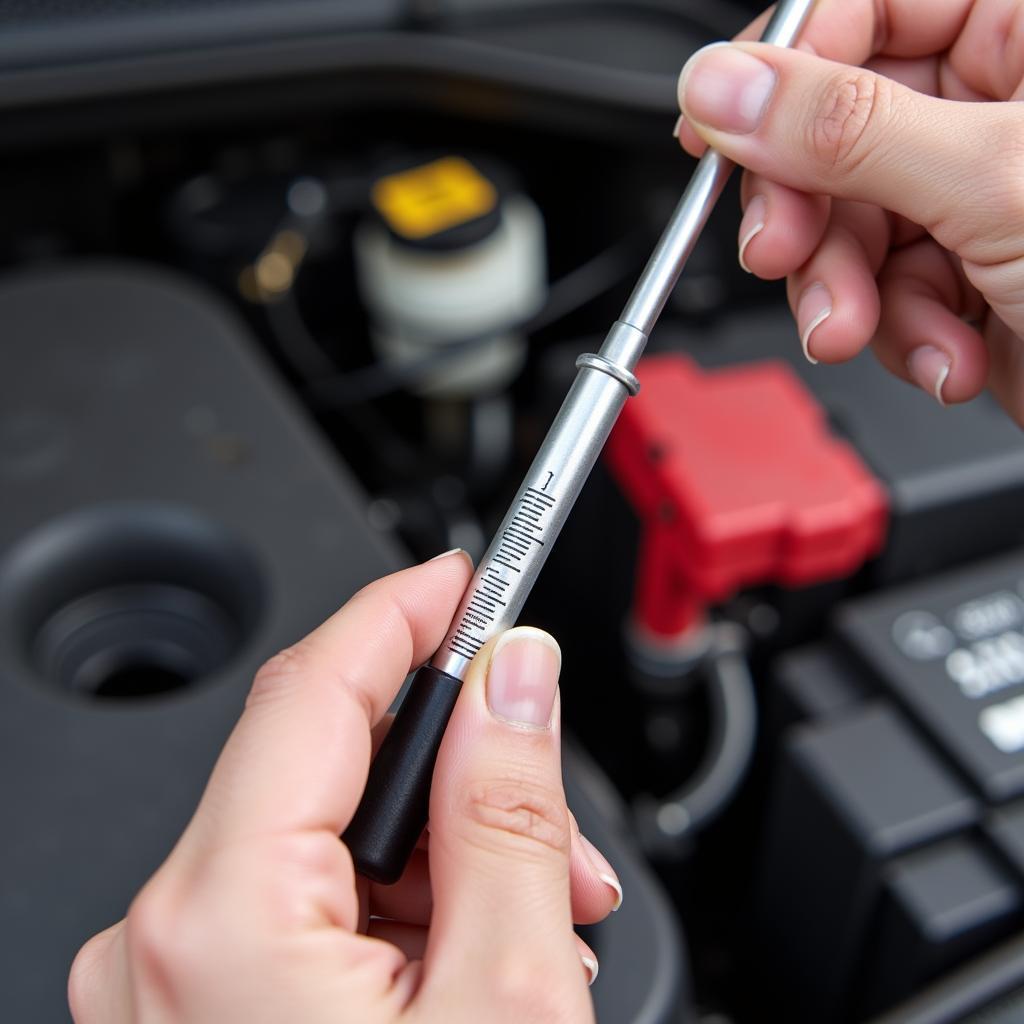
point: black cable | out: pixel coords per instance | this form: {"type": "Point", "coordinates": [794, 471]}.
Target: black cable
{"type": "Point", "coordinates": [667, 824]}
{"type": "Point", "coordinates": [307, 359]}
{"type": "Point", "coordinates": [734, 714]}
{"type": "Point", "coordinates": [569, 293]}
{"type": "Point", "coordinates": [303, 352]}
{"type": "Point", "coordinates": [342, 193]}
{"type": "Point", "coordinates": [293, 339]}
{"type": "Point", "coordinates": [589, 281]}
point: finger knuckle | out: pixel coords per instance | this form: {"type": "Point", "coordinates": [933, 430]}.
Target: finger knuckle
{"type": "Point", "coordinates": [524, 812]}
{"type": "Point", "coordinates": [312, 872]}
{"type": "Point", "coordinates": [173, 943]}
{"type": "Point", "coordinates": [1002, 184]}
{"type": "Point", "coordinates": [279, 673]}
{"type": "Point", "coordinates": [515, 988]}
{"type": "Point", "coordinates": [317, 853]}
{"type": "Point", "coordinates": [984, 221]}
{"type": "Point", "coordinates": [847, 110]}
{"type": "Point", "coordinates": [1010, 190]}
{"type": "Point", "coordinates": [302, 665]}
{"type": "Point", "coordinates": [153, 934]}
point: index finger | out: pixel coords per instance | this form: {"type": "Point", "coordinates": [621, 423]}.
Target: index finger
{"type": "Point", "coordinates": [299, 756]}
{"type": "Point", "coordinates": [853, 31]}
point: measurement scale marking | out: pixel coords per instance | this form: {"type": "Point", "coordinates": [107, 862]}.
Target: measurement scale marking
{"type": "Point", "coordinates": [525, 528]}
{"type": "Point", "coordinates": [525, 540]}
{"type": "Point", "coordinates": [516, 531]}
{"type": "Point", "coordinates": [516, 543]}
{"type": "Point", "coordinates": [528, 501]}
{"type": "Point", "coordinates": [527, 523]}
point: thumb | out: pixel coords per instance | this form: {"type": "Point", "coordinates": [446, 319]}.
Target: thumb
{"type": "Point", "coordinates": [844, 131]}
{"type": "Point", "coordinates": [499, 843]}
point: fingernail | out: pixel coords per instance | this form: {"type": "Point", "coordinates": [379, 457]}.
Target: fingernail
{"type": "Point", "coordinates": [678, 127]}
{"type": "Point", "coordinates": [813, 309]}
{"type": "Point", "coordinates": [523, 676]}
{"type": "Point", "coordinates": [592, 968]}
{"type": "Point", "coordinates": [447, 554]}
{"type": "Point", "coordinates": [929, 367]}
{"type": "Point", "coordinates": [751, 225]}
{"type": "Point", "coordinates": [604, 870]}
{"type": "Point", "coordinates": [725, 88]}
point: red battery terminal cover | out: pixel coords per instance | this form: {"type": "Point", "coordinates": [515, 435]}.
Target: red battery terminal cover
{"type": "Point", "coordinates": [737, 481]}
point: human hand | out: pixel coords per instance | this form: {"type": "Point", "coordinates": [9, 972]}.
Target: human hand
{"type": "Point", "coordinates": [890, 196]}
{"type": "Point", "coordinates": [257, 914]}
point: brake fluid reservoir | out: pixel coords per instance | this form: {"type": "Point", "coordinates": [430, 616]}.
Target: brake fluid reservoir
{"type": "Point", "coordinates": [449, 257]}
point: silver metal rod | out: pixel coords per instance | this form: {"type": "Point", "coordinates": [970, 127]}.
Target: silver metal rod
{"type": "Point", "coordinates": [510, 566]}
{"type": "Point", "coordinates": [687, 222]}
{"type": "Point", "coordinates": [676, 244]}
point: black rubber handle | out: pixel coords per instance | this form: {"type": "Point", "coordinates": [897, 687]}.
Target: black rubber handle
{"type": "Point", "coordinates": [393, 811]}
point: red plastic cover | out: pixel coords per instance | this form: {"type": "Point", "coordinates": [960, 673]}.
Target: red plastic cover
{"type": "Point", "coordinates": [738, 481]}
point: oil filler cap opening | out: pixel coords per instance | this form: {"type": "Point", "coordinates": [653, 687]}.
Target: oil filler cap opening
{"type": "Point", "coordinates": [128, 601]}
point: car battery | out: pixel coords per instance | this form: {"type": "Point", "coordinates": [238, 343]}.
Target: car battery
{"type": "Point", "coordinates": [894, 835]}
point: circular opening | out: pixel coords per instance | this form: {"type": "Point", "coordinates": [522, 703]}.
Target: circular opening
{"type": "Point", "coordinates": [129, 602]}
{"type": "Point", "coordinates": [133, 640]}
{"type": "Point", "coordinates": [139, 680]}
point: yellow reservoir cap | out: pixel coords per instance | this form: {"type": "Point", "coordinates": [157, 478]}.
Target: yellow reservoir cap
{"type": "Point", "coordinates": [426, 200]}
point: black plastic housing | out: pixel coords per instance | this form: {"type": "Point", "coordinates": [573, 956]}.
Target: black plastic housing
{"type": "Point", "coordinates": [154, 472]}
{"type": "Point", "coordinates": [167, 516]}
{"type": "Point", "coordinates": [893, 850]}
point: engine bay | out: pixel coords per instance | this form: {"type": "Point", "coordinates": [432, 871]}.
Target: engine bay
{"type": "Point", "coordinates": [289, 300]}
